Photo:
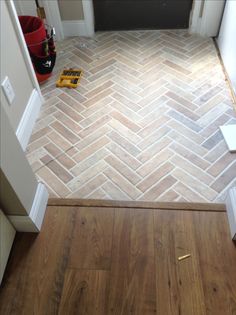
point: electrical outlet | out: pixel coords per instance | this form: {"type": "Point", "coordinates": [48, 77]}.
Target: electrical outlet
{"type": "Point", "coordinates": [8, 90]}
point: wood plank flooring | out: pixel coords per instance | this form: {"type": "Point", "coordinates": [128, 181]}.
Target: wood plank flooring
{"type": "Point", "coordinates": [104, 259]}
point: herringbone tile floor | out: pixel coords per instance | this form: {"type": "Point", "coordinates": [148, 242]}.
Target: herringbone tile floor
{"type": "Point", "coordinates": [142, 125]}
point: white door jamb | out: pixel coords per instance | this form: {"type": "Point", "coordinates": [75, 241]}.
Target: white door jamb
{"type": "Point", "coordinates": [83, 27]}
{"type": "Point", "coordinates": [89, 17]}
{"type": "Point", "coordinates": [54, 17]}
{"type": "Point", "coordinates": [206, 17]}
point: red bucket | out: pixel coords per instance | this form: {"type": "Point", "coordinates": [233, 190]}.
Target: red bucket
{"type": "Point", "coordinates": [35, 33]}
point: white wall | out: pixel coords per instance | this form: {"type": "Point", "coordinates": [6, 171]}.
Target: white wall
{"type": "Point", "coordinates": [18, 184]}
{"type": "Point", "coordinates": [227, 40]}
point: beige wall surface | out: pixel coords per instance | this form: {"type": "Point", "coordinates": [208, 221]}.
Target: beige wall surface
{"type": "Point", "coordinates": [16, 174]}
{"type": "Point", "coordinates": [71, 10]}
{"type": "Point", "coordinates": [7, 234]}
{"type": "Point", "coordinates": [13, 66]}
{"type": "Point", "coordinates": [8, 198]}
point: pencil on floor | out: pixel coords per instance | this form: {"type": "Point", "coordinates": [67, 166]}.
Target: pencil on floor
{"type": "Point", "coordinates": [184, 257]}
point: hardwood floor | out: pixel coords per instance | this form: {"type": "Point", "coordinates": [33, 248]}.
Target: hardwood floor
{"type": "Point", "coordinates": [100, 258]}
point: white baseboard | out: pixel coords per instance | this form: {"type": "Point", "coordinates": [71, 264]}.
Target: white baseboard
{"type": "Point", "coordinates": [28, 119]}
{"type": "Point", "coordinates": [231, 211]}
{"type": "Point", "coordinates": [74, 28]}
{"type": "Point", "coordinates": [33, 222]}
{"type": "Point", "coordinates": [229, 134]}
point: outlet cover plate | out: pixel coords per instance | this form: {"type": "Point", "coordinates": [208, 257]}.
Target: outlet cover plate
{"type": "Point", "coordinates": [8, 90]}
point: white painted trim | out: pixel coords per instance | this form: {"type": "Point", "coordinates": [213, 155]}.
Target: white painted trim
{"type": "Point", "coordinates": [24, 49]}
{"type": "Point", "coordinates": [195, 19]}
{"type": "Point", "coordinates": [89, 17]}
{"type": "Point", "coordinates": [227, 45]}
{"type": "Point", "coordinates": [229, 134]}
{"type": "Point", "coordinates": [53, 17]}
{"type": "Point", "coordinates": [74, 28]}
{"type": "Point", "coordinates": [28, 119]}
{"type": "Point", "coordinates": [51, 7]}
{"type": "Point", "coordinates": [67, 28]}
{"type": "Point", "coordinates": [33, 222]}
{"type": "Point", "coordinates": [208, 24]}
{"type": "Point", "coordinates": [212, 16]}
{"type": "Point", "coordinates": [231, 211]}
{"type": "Point", "coordinates": [81, 27]}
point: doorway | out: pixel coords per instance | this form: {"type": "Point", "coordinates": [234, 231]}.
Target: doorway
{"type": "Point", "coordinates": [141, 14]}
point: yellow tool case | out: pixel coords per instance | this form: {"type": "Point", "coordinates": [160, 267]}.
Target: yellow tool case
{"type": "Point", "coordinates": [69, 78]}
